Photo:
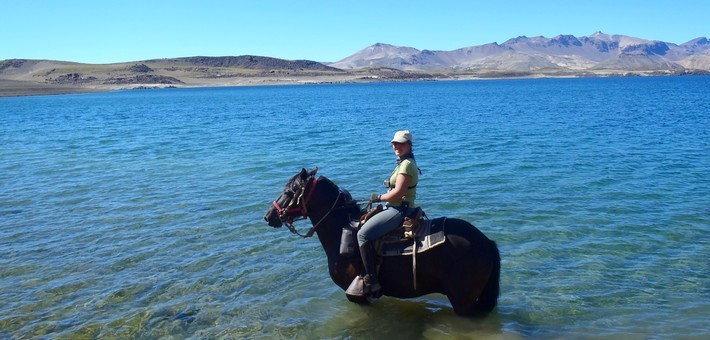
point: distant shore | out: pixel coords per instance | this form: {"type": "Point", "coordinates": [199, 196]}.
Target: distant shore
{"type": "Point", "coordinates": [10, 88]}
{"type": "Point", "coordinates": [26, 77]}
{"type": "Point", "coordinates": [14, 88]}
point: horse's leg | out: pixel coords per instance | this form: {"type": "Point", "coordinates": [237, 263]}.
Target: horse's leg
{"type": "Point", "coordinates": [467, 276]}
{"type": "Point", "coordinates": [489, 297]}
{"type": "Point", "coordinates": [465, 283]}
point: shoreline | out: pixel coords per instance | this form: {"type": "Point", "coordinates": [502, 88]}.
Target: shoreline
{"type": "Point", "coordinates": [16, 88]}
{"type": "Point", "coordinates": [11, 88]}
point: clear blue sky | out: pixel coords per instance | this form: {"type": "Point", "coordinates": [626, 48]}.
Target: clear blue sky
{"type": "Point", "coordinates": [96, 31]}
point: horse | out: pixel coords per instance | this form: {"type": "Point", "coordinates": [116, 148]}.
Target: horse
{"type": "Point", "coordinates": [465, 268]}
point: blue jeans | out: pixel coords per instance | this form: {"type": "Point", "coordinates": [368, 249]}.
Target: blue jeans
{"type": "Point", "coordinates": [380, 224]}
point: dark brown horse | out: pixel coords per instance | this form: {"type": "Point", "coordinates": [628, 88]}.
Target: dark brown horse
{"type": "Point", "coordinates": [466, 268]}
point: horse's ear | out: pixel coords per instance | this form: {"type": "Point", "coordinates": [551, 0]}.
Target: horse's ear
{"type": "Point", "coordinates": [313, 172]}
{"type": "Point", "coordinates": [303, 172]}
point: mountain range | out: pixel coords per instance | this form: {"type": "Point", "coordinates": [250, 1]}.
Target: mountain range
{"type": "Point", "coordinates": [562, 56]}
{"type": "Point", "coordinates": [596, 52]}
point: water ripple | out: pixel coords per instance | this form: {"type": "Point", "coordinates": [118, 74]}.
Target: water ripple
{"type": "Point", "coordinates": [139, 213]}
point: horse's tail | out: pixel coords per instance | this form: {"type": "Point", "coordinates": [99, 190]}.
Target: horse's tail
{"type": "Point", "coordinates": [489, 297]}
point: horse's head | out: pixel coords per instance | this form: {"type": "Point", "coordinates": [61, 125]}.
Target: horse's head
{"type": "Point", "coordinates": [292, 201]}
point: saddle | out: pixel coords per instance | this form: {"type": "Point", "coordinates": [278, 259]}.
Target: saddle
{"type": "Point", "coordinates": [425, 235]}
{"type": "Point", "coordinates": [417, 234]}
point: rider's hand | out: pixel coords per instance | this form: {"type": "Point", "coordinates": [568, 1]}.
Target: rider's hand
{"type": "Point", "coordinates": [376, 197]}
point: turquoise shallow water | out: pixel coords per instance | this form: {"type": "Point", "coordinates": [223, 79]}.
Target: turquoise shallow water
{"type": "Point", "coordinates": [139, 213]}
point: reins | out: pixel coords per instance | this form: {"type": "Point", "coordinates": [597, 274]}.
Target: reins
{"type": "Point", "coordinates": [289, 224]}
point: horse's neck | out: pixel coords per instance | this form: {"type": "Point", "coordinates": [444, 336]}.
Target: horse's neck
{"type": "Point", "coordinates": [329, 220]}
{"type": "Point", "coordinates": [328, 230]}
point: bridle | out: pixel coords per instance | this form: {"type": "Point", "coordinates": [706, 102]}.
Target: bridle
{"type": "Point", "coordinates": [299, 205]}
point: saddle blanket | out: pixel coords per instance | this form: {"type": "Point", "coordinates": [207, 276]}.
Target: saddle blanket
{"type": "Point", "coordinates": [430, 235]}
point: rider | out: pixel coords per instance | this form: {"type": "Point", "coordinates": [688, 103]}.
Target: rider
{"type": "Point", "coordinates": [402, 185]}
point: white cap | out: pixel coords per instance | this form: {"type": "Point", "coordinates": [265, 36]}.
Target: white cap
{"type": "Point", "coordinates": [402, 136]}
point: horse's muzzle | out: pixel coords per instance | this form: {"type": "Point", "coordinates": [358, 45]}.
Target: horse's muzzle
{"type": "Point", "coordinates": [272, 218]}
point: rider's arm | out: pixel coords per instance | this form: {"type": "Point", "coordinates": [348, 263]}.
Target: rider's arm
{"type": "Point", "coordinates": [400, 188]}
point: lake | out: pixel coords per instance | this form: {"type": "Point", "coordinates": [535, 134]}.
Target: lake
{"type": "Point", "coordinates": [139, 213]}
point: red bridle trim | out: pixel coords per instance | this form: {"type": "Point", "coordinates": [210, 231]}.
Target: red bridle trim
{"type": "Point", "coordinates": [302, 209]}
{"type": "Point", "coordinates": [278, 208]}
{"type": "Point", "coordinates": [308, 198]}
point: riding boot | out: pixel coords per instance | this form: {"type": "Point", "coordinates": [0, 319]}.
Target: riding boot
{"type": "Point", "coordinates": [369, 258]}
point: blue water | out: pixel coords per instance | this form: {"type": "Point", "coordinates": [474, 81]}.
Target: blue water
{"type": "Point", "coordinates": [139, 213]}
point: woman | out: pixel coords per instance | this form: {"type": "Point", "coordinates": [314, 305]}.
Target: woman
{"type": "Point", "coordinates": [402, 185]}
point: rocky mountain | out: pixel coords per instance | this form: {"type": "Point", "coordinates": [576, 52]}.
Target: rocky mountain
{"type": "Point", "coordinates": [596, 52]}
{"type": "Point", "coordinates": [252, 62]}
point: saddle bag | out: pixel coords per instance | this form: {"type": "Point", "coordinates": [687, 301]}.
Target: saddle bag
{"type": "Point", "coordinates": [348, 240]}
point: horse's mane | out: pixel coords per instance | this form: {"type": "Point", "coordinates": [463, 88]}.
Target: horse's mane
{"type": "Point", "coordinates": [322, 180]}
{"type": "Point", "coordinates": [345, 198]}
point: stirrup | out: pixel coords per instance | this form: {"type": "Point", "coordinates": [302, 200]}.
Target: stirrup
{"type": "Point", "coordinates": [358, 292]}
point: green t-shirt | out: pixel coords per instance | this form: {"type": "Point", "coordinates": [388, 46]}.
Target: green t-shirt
{"type": "Point", "coordinates": [407, 167]}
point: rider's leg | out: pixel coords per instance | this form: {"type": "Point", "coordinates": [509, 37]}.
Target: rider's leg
{"type": "Point", "coordinates": [375, 227]}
